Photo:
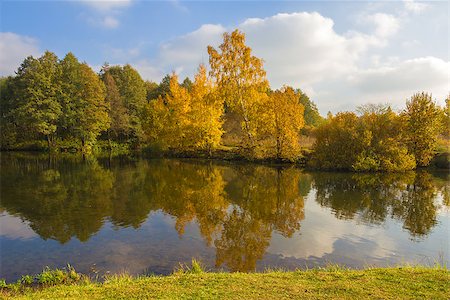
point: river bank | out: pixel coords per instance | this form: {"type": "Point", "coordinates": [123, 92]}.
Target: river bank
{"type": "Point", "coordinates": [194, 283]}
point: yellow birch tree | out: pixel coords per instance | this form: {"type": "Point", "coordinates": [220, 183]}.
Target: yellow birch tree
{"type": "Point", "coordinates": [240, 79]}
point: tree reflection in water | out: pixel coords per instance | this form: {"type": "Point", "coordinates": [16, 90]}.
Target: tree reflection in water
{"type": "Point", "coordinates": [408, 197]}
{"type": "Point", "coordinates": [236, 206]}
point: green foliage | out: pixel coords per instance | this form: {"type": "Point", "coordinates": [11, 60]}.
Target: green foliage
{"type": "Point", "coordinates": [26, 279]}
{"type": "Point", "coordinates": [120, 122]}
{"type": "Point", "coordinates": [9, 134]}
{"type": "Point", "coordinates": [133, 93]}
{"type": "Point", "coordinates": [152, 90]}
{"type": "Point", "coordinates": [195, 268]}
{"type": "Point", "coordinates": [88, 106]}
{"type": "Point", "coordinates": [311, 113]}
{"type": "Point", "coordinates": [36, 92]}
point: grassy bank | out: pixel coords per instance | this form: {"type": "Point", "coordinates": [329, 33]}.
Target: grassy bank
{"type": "Point", "coordinates": [336, 283]}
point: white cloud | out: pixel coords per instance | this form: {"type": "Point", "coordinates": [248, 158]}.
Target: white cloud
{"type": "Point", "coordinates": [401, 80]}
{"type": "Point", "coordinates": [13, 49]}
{"type": "Point", "coordinates": [177, 4]}
{"type": "Point", "coordinates": [415, 7]}
{"type": "Point", "coordinates": [106, 12]}
{"type": "Point", "coordinates": [188, 51]}
{"type": "Point", "coordinates": [14, 228]}
{"type": "Point", "coordinates": [391, 83]}
{"type": "Point", "coordinates": [339, 70]}
{"type": "Point", "coordinates": [315, 50]}
{"type": "Point", "coordinates": [106, 5]}
{"type": "Point", "coordinates": [385, 25]}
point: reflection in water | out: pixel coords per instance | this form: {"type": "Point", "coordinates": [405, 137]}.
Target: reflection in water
{"type": "Point", "coordinates": [408, 197]}
{"type": "Point", "coordinates": [237, 207]}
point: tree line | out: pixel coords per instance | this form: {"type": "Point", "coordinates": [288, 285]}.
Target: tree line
{"type": "Point", "coordinates": [66, 104]}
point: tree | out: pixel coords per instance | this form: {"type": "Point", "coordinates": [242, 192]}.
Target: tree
{"type": "Point", "coordinates": [337, 142]}
{"type": "Point", "coordinates": [446, 118]}
{"type": "Point", "coordinates": [240, 79]}
{"type": "Point", "coordinates": [169, 119]}
{"type": "Point", "coordinates": [186, 119]}
{"type": "Point", "coordinates": [187, 84]}
{"type": "Point", "coordinates": [382, 141]}
{"type": "Point", "coordinates": [422, 127]}
{"type": "Point", "coordinates": [311, 114]}
{"type": "Point", "coordinates": [281, 121]}
{"type": "Point", "coordinates": [36, 93]}
{"type": "Point", "coordinates": [206, 113]}
{"type": "Point", "coordinates": [133, 93]}
{"type": "Point", "coordinates": [372, 142]}
{"type": "Point", "coordinates": [118, 113]}
{"type": "Point", "coordinates": [155, 90]}
{"type": "Point", "coordinates": [8, 126]}
{"type": "Point", "coordinates": [152, 90]}
{"type": "Point", "coordinates": [86, 109]}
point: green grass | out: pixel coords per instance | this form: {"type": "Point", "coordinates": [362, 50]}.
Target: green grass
{"type": "Point", "coordinates": [194, 283]}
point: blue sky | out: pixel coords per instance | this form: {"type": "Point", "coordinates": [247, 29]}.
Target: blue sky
{"type": "Point", "coordinates": [342, 53]}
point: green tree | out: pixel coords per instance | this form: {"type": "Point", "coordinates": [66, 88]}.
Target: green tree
{"type": "Point", "coordinates": [36, 93]}
{"type": "Point", "coordinates": [240, 79]}
{"type": "Point", "coordinates": [133, 93]}
{"type": "Point", "coordinates": [161, 89]}
{"type": "Point", "coordinates": [152, 90]}
{"type": "Point", "coordinates": [422, 127]}
{"type": "Point", "coordinates": [187, 84]}
{"type": "Point", "coordinates": [311, 114]}
{"type": "Point", "coordinates": [84, 101]}
{"type": "Point", "coordinates": [8, 127]}
{"type": "Point", "coordinates": [118, 113]}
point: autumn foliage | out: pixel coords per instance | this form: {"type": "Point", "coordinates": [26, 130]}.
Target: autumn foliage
{"type": "Point", "coordinates": [61, 104]}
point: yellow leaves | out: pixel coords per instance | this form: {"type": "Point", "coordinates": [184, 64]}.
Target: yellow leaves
{"type": "Point", "coordinates": [422, 127]}
{"type": "Point", "coordinates": [184, 120]}
{"type": "Point", "coordinates": [239, 77]}
{"type": "Point", "coordinates": [280, 122]}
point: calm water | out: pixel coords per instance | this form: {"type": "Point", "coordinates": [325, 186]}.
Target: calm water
{"type": "Point", "coordinates": [147, 216]}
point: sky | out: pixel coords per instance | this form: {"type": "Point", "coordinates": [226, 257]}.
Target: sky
{"type": "Point", "coordinates": [343, 54]}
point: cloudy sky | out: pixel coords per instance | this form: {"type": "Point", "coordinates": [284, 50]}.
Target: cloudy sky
{"type": "Point", "coordinates": [342, 53]}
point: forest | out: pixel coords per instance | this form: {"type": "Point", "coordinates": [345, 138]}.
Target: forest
{"type": "Point", "coordinates": [60, 105]}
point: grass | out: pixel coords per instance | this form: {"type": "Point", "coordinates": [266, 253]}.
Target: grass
{"type": "Point", "coordinates": [191, 282]}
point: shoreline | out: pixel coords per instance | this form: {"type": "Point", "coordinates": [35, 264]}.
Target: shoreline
{"type": "Point", "coordinates": [440, 162]}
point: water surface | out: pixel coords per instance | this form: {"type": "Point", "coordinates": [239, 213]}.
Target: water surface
{"type": "Point", "coordinates": [148, 215]}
